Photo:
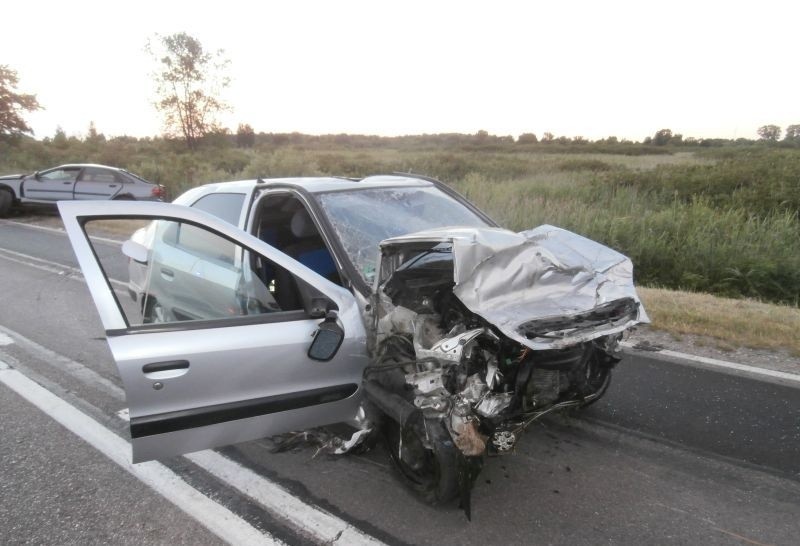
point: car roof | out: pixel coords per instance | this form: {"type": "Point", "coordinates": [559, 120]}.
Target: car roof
{"type": "Point", "coordinates": [321, 184]}
{"type": "Point", "coordinates": [82, 165]}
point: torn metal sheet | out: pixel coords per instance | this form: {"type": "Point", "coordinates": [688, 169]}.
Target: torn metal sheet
{"type": "Point", "coordinates": [481, 331]}
{"type": "Point", "coordinates": [514, 279]}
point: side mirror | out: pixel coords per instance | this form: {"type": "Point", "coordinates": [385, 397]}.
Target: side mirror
{"type": "Point", "coordinates": [327, 339]}
{"type": "Point", "coordinates": [36, 175]}
{"type": "Point", "coordinates": [135, 251]}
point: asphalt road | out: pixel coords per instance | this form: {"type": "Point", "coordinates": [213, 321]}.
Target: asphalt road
{"type": "Point", "coordinates": [673, 453]}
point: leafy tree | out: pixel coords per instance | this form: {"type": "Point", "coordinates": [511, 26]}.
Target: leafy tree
{"type": "Point", "coordinates": [245, 136]}
{"type": "Point", "coordinates": [189, 81]}
{"type": "Point", "coordinates": [13, 104]}
{"type": "Point", "coordinates": [527, 138]}
{"type": "Point", "coordinates": [662, 137]}
{"type": "Point", "coordinates": [769, 132]}
{"type": "Point", "coordinates": [792, 133]}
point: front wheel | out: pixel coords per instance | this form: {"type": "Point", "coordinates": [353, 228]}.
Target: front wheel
{"type": "Point", "coordinates": [431, 473]}
{"type": "Point", "coordinates": [597, 377]}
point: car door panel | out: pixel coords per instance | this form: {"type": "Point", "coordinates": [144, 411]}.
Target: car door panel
{"type": "Point", "coordinates": [199, 384]}
{"type": "Point", "coordinates": [96, 183]}
{"type": "Point", "coordinates": [53, 185]}
{"type": "Point", "coordinates": [215, 391]}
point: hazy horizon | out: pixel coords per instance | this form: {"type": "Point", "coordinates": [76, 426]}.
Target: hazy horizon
{"type": "Point", "coordinates": [710, 70]}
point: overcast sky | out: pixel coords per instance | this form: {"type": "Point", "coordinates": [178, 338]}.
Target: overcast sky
{"type": "Point", "coordinates": [586, 68]}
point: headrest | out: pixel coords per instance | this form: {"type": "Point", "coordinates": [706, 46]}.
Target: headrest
{"type": "Point", "coordinates": [302, 225]}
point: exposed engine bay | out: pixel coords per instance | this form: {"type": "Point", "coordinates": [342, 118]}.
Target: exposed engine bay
{"type": "Point", "coordinates": [480, 333]}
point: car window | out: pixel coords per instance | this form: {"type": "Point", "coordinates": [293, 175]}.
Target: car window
{"type": "Point", "coordinates": [103, 176]}
{"type": "Point", "coordinates": [134, 177]}
{"type": "Point", "coordinates": [227, 206]}
{"type": "Point", "coordinates": [60, 174]}
{"type": "Point", "coordinates": [184, 272]}
{"type": "Point", "coordinates": [364, 218]}
{"type": "Point", "coordinates": [198, 241]}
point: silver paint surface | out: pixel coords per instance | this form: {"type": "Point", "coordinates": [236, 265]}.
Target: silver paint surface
{"type": "Point", "coordinates": [547, 272]}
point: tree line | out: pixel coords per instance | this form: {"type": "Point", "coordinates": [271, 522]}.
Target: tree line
{"type": "Point", "coordinates": [189, 81]}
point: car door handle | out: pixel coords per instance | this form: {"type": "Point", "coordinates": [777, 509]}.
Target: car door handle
{"type": "Point", "coordinates": [112, 185]}
{"type": "Point", "coordinates": [66, 182]}
{"type": "Point", "coordinates": [167, 273]}
{"type": "Point", "coordinates": [165, 370]}
{"type": "Point", "coordinates": [166, 365]}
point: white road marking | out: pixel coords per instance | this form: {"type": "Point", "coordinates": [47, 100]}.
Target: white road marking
{"type": "Point", "coordinates": [721, 363]}
{"type": "Point", "coordinates": [320, 525]}
{"type": "Point", "coordinates": [5, 340]}
{"type": "Point", "coordinates": [51, 267]}
{"type": "Point", "coordinates": [60, 231]}
{"type": "Point", "coordinates": [309, 520]}
{"type": "Point", "coordinates": [214, 517]}
{"type": "Point", "coordinates": [60, 362]}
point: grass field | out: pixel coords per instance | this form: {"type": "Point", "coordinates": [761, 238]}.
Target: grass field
{"type": "Point", "coordinates": [723, 221]}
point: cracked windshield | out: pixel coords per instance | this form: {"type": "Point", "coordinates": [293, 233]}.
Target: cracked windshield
{"type": "Point", "coordinates": [364, 218]}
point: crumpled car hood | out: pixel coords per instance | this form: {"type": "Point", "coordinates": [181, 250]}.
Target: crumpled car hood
{"type": "Point", "coordinates": [546, 288]}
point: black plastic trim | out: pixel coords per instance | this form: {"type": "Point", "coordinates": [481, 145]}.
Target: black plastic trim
{"type": "Point", "coordinates": [34, 190]}
{"type": "Point", "coordinates": [174, 421]}
{"type": "Point", "coordinates": [165, 366]}
{"type": "Point", "coordinates": [90, 193]}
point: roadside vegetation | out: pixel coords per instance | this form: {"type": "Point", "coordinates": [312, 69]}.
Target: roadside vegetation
{"type": "Point", "coordinates": [715, 217]}
{"type": "Point", "coordinates": [724, 323]}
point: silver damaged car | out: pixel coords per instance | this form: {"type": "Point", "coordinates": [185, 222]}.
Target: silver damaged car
{"type": "Point", "coordinates": [249, 309]}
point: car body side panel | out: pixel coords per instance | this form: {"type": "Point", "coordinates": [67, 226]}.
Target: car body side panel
{"type": "Point", "coordinates": [227, 366]}
{"type": "Point", "coordinates": [241, 381]}
{"type": "Point", "coordinates": [97, 184]}
{"type": "Point", "coordinates": [52, 188]}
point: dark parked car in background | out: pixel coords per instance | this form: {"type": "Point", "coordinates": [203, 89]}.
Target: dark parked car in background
{"type": "Point", "coordinates": [75, 182]}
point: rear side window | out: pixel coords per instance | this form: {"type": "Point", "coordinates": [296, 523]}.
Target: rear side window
{"type": "Point", "coordinates": [227, 206]}
{"type": "Point", "coordinates": [103, 176]}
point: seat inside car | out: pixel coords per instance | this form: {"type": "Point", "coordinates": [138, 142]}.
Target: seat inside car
{"type": "Point", "coordinates": [284, 223]}
{"type": "Point", "coordinates": [308, 248]}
